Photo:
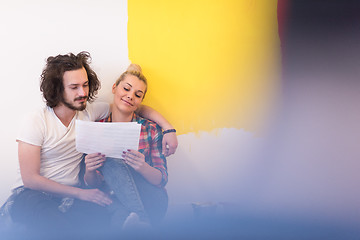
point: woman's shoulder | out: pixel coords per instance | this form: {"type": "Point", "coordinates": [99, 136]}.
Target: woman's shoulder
{"type": "Point", "coordinates": [147, 124]}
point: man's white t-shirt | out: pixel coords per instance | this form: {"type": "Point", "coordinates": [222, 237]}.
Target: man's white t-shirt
{"type": "Point", "coordinates": [59, 160]}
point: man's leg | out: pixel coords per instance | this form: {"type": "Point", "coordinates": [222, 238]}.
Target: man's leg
{"type": "Point", "coordinates": [39, 213]}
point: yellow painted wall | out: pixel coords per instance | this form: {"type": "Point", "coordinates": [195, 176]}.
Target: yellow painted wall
{"type": "Point", "coordinates": [210, 63]}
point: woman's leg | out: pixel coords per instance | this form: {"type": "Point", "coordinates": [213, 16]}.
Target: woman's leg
{"type": "Point", "coordinates": [155, 199]}
{"type": "Point", "coordinates": [89, 219]}
{"type": "Point", "coordinates": [119, 179]}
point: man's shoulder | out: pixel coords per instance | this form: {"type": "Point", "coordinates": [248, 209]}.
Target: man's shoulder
{"type": "Point", "coordinates": [96, 110]}
{"type": "Point", "coordinates": [39, 113]}
{"type": "Point", "coordinates": [33, 126]}
{"type": "Point", "coordinates": [97, 105]}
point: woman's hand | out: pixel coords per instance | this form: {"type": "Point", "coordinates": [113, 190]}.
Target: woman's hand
{"type": "Point", "coordinates": [135, 159]}
{"type": "Point", "coordinates": [95, 196]}
{"type": "Point", "coordinates": [94, 161]}
{"type": "Point", "coordinates": [169, 143]}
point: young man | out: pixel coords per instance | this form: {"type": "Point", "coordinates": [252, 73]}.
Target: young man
{"type": "Point", "coordinates": [49, 197]}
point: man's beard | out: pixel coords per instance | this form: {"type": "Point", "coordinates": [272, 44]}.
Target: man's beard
{"type": "Point", "coordinates": [71, 106]}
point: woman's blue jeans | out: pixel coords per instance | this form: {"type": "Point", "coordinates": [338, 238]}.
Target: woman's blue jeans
{"type": "Point", "coordinates": [133, 192]}
{"type": "Point", "coordinates": [120, 182]}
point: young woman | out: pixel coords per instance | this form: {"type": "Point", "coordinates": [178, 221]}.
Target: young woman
{"type": "Point", "coordinates": [138, 179]}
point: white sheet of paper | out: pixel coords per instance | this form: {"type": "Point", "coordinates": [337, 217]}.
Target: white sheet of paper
{"type": "Point", "coordinates": [110, 139]}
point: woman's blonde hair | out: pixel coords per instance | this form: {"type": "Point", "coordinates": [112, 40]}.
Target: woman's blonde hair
{"type": "Point", "coordinates": [135, 70]}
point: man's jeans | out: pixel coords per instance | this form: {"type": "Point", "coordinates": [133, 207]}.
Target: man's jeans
{"type": "Point", "coordinates": [133, 192]}
{"type": "Point", "coordinates": [40, 213]}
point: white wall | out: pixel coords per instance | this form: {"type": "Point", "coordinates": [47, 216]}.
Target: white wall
{"type": "Point", "coordinates": [30, 31]}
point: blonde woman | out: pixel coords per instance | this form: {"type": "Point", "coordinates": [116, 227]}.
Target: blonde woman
{"type": "Point", "coordinates": [138, 179]}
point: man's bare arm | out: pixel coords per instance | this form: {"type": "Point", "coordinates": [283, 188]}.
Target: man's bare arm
{"type": "Point", "coordinates": [29, 160]}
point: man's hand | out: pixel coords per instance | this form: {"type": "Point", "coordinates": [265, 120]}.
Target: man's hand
{"type": "Point", "coordinates": [169, 143]}
{"type": "Point", "coordinates": [95, 196]}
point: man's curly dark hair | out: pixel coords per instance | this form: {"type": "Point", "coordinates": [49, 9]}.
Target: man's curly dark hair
{"type": "Point", "coordinates": [51, 84]}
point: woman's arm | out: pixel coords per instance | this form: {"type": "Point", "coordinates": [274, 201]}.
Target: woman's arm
{"type": "Point", "coordinates": [29, 160]}
{"type": "Point", "coordinates": [170, 142]}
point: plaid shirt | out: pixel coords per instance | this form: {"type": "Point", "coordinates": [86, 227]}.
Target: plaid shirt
{"type": "Point", "coordinates": [150, 144]}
